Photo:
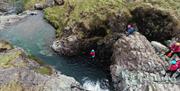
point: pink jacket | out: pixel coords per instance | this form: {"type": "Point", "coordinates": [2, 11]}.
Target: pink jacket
{"type": "Point", "coordinates": [175, 48]}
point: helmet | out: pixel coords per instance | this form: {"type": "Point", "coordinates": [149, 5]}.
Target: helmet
{"type": "Point", "coordinates": [92, 50]}
{"type": "Point", "coordinates": [173, 62]}
{"type": "Point", "coordinates": [129, 26]}
{"type": "Point", "coordinates": [178, 44]}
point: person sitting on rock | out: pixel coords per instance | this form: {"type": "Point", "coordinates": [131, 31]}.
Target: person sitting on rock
{"type": "Point", "coordinates": [92, 53]}
{"type": "Point", "coordinates": [172, 68]}
{"type": "Point", "coordinates": [174, 49]}
{"type": "Point", "coordinates": [130, 30]}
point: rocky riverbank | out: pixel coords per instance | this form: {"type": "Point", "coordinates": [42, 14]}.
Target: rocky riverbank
{"type": "Point", "coordinates": [20, 72]}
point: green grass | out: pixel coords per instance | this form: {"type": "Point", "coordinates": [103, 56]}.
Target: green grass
{"type": "Point", "coordinates": [74, 11]}
{"type": "Point", "coordinates": [93, 12]}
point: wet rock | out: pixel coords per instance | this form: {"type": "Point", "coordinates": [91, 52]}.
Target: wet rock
{"type": "Point", "coordinates": [137, 67]}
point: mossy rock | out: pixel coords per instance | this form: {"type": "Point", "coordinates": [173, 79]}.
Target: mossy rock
{"type": "Point", "coordinates": [4, 45]}
{"type": "Point", "coordinates": [29, 4]}
{"type": "Point", "coordinates": [6, 58]}
{"type": "Point", "coordinates": [45, 70]}
{"type": "Point", "coordinates": [155, 24]}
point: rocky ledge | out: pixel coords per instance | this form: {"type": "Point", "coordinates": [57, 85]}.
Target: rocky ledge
{"type": "Point", "coordinates": [19, 72]}
{"type": "Point", "coordinates": [137, 67]}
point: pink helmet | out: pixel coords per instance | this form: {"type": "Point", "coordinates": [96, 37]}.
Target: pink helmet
{"type": "Point", "coordinates": [129, 26]}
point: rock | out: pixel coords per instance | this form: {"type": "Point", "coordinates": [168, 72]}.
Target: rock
{"type": "Point", "coordinates": [136, 66]}
{"type": "Point", "coordinates": [19, 72]}
{"type": "Point", "coordinates": [159, 47]}
{"type": "Point", "coordinates": [59, 2]}
{"type": "Point", "coordinates": [6, 20]}
{"type": "Point", "coordinates": [39, 6]}
{"type": "Point", "coordinates": [5, 45]}
{"type": "Point", "coordinates": [5, 6]}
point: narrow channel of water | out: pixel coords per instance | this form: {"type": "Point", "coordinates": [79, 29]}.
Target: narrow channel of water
{"type": "Point", "coordinates": [35, 35]}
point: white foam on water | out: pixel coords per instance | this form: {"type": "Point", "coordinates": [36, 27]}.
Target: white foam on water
{"type": "Point", "coordinates": [93, 86]}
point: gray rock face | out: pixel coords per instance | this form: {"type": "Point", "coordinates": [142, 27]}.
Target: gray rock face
{"type": "Point", "coordinates": [19, 73]}
{"type": "Point", "coordinates": [4, 6]}
{"type": "Point", "coordinates": [136, 66]}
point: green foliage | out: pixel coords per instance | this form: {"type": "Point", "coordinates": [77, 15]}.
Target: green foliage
{"type": "Point", "coordinates": [74, 11]}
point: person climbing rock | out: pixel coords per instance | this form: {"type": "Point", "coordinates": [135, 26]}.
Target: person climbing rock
{"type": "Point", "coordinates": [174, 49]}
{"type": "Point", "coordinates": [92, 53]}
{"type": "Point", "coordinates": [130, 30]}
{"type": "Point", "coordinates": [172, 68]}
{"type": "Point", "coordinates": [178, 69]}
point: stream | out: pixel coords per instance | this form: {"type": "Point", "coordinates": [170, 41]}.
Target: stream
{"type": "Point", "coordinates": [35, 35]}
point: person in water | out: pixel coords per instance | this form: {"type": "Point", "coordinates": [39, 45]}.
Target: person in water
{"type": "Point", "coordinates": [174, 49]}
{"type": "Point", "coordinates": [172, 68]}
{"type": "Point", "coordinates": [130, 30]}
{"type": "Point", "coordinates": [92, 53]}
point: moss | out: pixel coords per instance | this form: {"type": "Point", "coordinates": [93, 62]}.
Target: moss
{"type": "Point", "coordinates": [45, 70]}
{"type": "Point", "coordinates": [29, 4]}
{"type": "Point", "coordinates": [8, 57]}
{"type": "Point", "coordinates": [39, 61]}
{"type": "Point", "coordinates": [11, 86]}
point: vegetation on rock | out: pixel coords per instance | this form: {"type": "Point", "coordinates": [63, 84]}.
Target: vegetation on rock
{"type": "Point", "coordinates": [29, 4]}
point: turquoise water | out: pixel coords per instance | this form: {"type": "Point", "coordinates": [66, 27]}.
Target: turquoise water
{"type": "Point", "coordinates": [35, 35]}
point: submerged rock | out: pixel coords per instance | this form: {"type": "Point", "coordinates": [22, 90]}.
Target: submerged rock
{"type": "Point", "coordinates": [19, 72]}
{"type": "Point", "coordinates": [137, 67]}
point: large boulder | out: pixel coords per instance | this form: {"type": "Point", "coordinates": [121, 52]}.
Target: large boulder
{"type": "Point", "coordinates": [136, 66]}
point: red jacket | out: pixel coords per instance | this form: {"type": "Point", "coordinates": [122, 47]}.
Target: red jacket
{"type": "Point", "coordinates": [173, 67]}
{"type": "Point", "coordinates": [178, 63]}
{"type": "Point", "coordinates": [92, 53]}
{"type": "Point", "coordinates": [175, 48]}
